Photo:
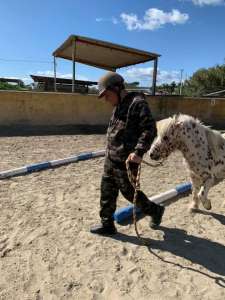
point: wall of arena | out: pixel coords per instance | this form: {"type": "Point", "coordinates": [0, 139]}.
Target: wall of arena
{"type": "Point", "coordinates": [56, 109]}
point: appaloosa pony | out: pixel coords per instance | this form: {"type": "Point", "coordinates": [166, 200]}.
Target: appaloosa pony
{"type": "Point", "coordinates": [203, 150]}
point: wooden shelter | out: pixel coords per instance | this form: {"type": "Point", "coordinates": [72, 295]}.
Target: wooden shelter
{"type": "Point", "coordinates": [19, 82]}
{"type": "Point", "coordinates": [104, 55]}
{"type": "Point", "coordinates": [63, 84]}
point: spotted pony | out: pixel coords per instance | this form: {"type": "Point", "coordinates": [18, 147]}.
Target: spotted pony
{"type": "Point", "coordinates": [203, 150]}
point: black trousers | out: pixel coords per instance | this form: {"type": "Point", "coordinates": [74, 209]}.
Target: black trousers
{"type": "Point", "coordinates": [115, 179]}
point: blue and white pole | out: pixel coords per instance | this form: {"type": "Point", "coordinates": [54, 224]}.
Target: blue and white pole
{"type": "Point", "coordinates": [125, 213]}
{"type": "Point", "coordinates": [50, 164]}
{"type": "Point", "coordinates": [121, 214]}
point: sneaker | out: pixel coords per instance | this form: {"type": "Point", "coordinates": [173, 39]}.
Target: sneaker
{"type": "Point", "coordinates": [104, 229]}
{"type": "Point", "coordinates": [156, 218]}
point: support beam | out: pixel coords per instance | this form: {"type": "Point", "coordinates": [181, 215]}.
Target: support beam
{"type": "Point", "coordinates": [154, 76]}
{"type": "Point", "coordinates": [55, 88]}
{"type": "Point", "coordinates": [73, 59]}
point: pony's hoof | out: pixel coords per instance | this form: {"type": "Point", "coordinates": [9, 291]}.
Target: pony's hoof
{"type": "Point", "coordinates": [207, 205]}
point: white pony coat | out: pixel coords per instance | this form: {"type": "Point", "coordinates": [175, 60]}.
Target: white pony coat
{"type": "Point", "coordinates": [203, 150]}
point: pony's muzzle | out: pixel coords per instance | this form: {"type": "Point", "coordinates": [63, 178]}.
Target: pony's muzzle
{"type": "Point", "coordinates": [154, 156]}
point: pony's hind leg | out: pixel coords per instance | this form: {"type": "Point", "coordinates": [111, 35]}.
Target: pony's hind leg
{"type": "Point", "coordinates": [203, 193]}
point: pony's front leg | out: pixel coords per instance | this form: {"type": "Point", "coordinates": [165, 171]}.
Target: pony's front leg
{"type": "Point", "coordinates": [194, 206]}
{"type": "Point", "coordinates": [203, 193]}
{"type": "Point", "coordinates": [196, 184]}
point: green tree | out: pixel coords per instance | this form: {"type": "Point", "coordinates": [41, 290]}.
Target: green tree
{"type": "Point", "coordinates": [173, 87]}
{"type": "Point", "coordinates": [8, 86]}
{"type": "Point", "coordinates": [205, 81]}
{"type": "Point", "coordinates": [168, 88]}
{"type": "Point", "coordinates": [134, 84]}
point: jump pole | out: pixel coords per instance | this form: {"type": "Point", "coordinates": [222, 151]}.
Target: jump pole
{"type": "Point", "coordinates": [50, 164]}
{"type": "Point", "coordinates": [125, 214]}
{"type": "Point", "coordinates": [122, 214]}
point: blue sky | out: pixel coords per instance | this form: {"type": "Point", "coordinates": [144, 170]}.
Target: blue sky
{"type": "Point", "coordinates": [189, 34]}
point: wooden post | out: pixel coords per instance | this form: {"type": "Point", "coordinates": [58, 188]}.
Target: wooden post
{"type": "Point", "coordinates": [73, 58]}
{"type": "Point", "coordinates": [55, 88]}
{"type": "Point", "coordinates": [181, 78]}
{"type": "Point", "coordinates": [154, 76]}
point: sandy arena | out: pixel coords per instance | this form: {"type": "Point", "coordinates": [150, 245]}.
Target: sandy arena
{"type": "Point", "coordinates": [47, 252]}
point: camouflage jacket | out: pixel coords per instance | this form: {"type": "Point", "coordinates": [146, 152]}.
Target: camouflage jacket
{"type": "Point", "coordinates": [131, 128]}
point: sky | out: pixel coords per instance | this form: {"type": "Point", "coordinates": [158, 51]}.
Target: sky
{"type": "Point", "coordinates": [188, 34]}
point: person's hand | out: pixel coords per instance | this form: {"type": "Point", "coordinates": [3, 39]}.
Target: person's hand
{"type": "Point", "coordinates": [133, 157]}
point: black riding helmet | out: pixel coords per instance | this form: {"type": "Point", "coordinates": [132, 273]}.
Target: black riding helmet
{"type": "Point", "coordinates": [110, 81]}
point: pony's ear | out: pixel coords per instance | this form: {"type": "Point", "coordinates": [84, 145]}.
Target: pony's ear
{"type": "Point", "coordinates": [179, 124]}
{"type": "Point", "coordinates": [175, 117]}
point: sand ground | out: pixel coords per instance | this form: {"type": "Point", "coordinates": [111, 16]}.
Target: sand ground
{"type": "Point", "coordinates": [47, 252]}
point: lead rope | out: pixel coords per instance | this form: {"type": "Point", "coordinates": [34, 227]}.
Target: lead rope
{"type": "Point", "coordinates": [135, 181]}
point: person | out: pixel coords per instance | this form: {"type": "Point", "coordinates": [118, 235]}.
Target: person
{"type": "Point", "coordinates": [130, 133]}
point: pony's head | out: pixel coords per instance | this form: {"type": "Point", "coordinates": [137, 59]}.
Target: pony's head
{"type": "Point", "coordinates": [166, 141]}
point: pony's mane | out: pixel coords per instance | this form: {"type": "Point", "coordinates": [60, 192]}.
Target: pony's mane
{"type": "Point", "coordinates": [164, 125]}
{"type": "Point", "coordinates": [214, 138]}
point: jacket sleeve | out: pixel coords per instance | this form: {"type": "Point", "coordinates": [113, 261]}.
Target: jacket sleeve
{"type": "Point", "coordinates": [146, 127]}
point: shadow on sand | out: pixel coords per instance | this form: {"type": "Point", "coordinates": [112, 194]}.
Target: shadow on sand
{"type": "Point", "coordinates": [218, 217]}
{"type": "Point", "coordinates": [206, 253]}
